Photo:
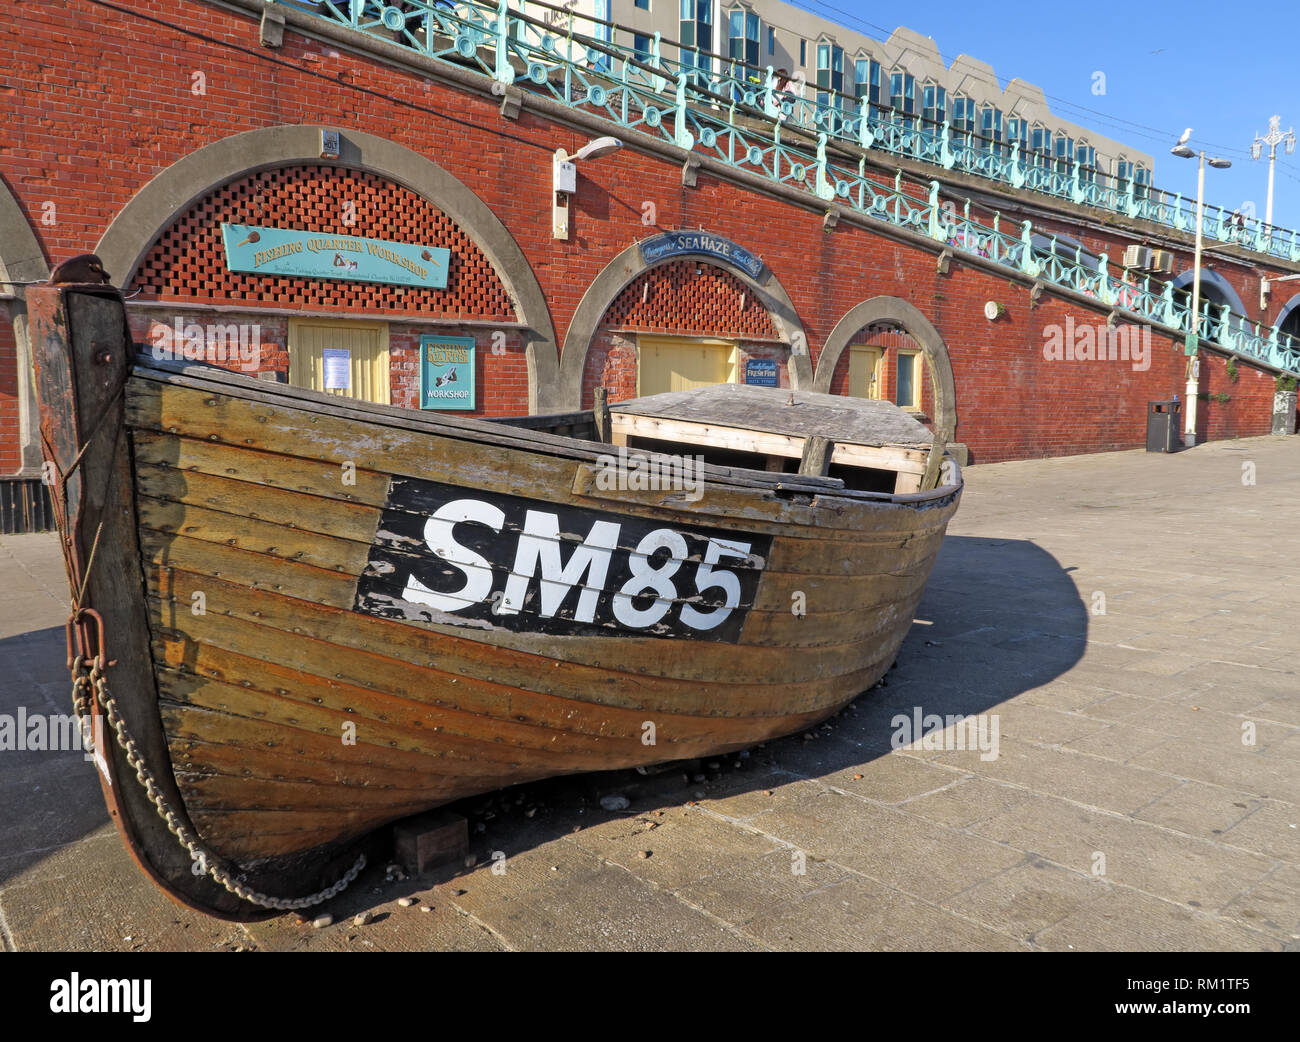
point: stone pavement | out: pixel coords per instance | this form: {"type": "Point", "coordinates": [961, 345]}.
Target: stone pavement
{"type": "Point", "coordinates": [1126, 621]}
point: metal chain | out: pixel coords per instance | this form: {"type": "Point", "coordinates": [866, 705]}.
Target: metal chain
{"type": "Point", "coordinates": [85, 682]}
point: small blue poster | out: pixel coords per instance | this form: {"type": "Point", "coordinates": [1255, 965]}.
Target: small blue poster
{"type": "Point", "coordinates": [447, 372]}
{"type": "Point", "coordinates": [761, 372]}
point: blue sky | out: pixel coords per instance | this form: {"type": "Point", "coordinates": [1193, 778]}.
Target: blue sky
{"type": "Point", "coordinates": [1220, 69]}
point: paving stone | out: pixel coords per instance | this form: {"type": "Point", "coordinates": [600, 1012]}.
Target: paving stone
{"type": "Point", "coordinates": [1136, 854]}
{"type": "Point", "coordinates": [1124, 920]}
{"type": "Point", "coordinates": [863, 915]}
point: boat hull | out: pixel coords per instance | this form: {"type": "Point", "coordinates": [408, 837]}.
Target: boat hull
{"type": "Point", "coordinates": [351, 614]}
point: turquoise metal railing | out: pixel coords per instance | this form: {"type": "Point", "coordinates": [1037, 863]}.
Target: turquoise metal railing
{"type": "Point", "coordinates": [741, 123]}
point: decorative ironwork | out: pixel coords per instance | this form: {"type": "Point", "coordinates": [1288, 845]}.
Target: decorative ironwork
{"type": "Point", "coordinates": [745, 119]}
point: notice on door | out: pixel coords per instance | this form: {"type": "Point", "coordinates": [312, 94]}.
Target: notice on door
{"type": "Point", "coordinates": [338, 368]}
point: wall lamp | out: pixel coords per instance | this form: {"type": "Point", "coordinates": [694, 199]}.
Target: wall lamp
{"type": "Point", "coordinates": [564, 178]}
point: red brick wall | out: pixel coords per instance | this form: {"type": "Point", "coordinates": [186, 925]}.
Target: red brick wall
{"type": "Point", "coordinates": [10, 448]}
{"type": "Point", "coordinates": [1249, 408]}
{"type": "Point", "coordinates": [103, 101]}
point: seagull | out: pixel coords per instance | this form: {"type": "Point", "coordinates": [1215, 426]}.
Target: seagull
{"type": "Point", "coordinates": [1186, 134]}
{"type": "Point", "coordinates": [449, 378]}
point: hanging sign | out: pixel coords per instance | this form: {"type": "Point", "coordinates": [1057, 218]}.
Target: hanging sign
{"type": "Point", "coordinates": [674, 244]}
{"type": "Point", "coordinates": [447, 372]}
{"type": "Point", "coordinates": [315, 255]}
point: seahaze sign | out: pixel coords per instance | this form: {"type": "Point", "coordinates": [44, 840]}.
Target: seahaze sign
{"type": "Point", "coordinates": [483, 560]}
{"type": "Point", "coordinates": [675, 244]}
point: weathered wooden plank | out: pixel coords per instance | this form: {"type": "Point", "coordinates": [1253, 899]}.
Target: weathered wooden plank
{"type": "Point", "coordinates": [290, 509]}
{"type": "Point", "coordinates": [839, 608]}
{"type": "Point", "coordinates": [487, 746]}
{"type": "Point", "coordinates": [333, 554]}
{"type": "Point", "coordinates": [723, 679]}
{"type": "Point", "coordinates": [511, 716]}
{"type": "Point", "coordinates": [816, 456]}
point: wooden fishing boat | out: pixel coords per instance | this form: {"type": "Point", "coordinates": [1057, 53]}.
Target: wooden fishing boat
{"type": "Point", "coordinates": [306, 616]}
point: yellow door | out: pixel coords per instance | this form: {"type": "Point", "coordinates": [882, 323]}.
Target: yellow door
{"type": "Point", "coordinates": [865, 371]}
{"type": "Point", "coordinates": [348, 359]}
{"type": "Point", "coordinates": [665, 364]}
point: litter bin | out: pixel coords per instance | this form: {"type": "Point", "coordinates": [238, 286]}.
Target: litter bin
{"type": "Point", "coordinates": [1164, 426]}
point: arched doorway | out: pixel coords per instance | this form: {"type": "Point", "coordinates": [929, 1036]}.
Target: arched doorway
{"type": "Point", "coordinates": [257, 156]}
{"type": "Point", "coordinates": [890, 323]}
{"type": "Point", "coordinates": [21, 261]}
{"type": "Point", "coordinates": [693, 303]}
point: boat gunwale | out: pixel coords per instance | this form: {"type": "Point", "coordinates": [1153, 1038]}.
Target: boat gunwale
{"type": "Point", "coordinates": [491, 431]}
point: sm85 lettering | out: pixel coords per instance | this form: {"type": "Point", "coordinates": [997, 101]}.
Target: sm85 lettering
{"type": "Point", "coordinates": [461, 557]}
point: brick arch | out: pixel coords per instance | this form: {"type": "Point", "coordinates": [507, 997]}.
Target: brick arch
{"type": "Point", "coordinates": [157, 206]}
{"type": "Point", "coordinates": [618, 278]}
{"type": "Point", "coordinates": [679, 298]}
{"type": "Point", "coordinates": [895, 311]}
{"type": "Point", "coordinates": [186, 263]}
{"type": "Point", "coordinates": [21, 261]}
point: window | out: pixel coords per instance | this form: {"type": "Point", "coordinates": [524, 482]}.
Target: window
{"type": "Point", "coordinates": [641, 47]}
{"type": "Point", "coordinates": [1141, 181]}
{"type": "Point", "coordinates": [803, 52]}
{"type": "Point", "coordinates": [346, 359]}
{"type": "Point", "coordinates": [1087, 157]}
{"type": "Point", "coordinates": [771, 40]}
{"type": "Point", "coordinates": [679, 364]}
{"type": "Point", "coordinates": [695, 31]}
{"type": "Point", "coordinates": [902, 97]}
{"type": "Point", "coordinates": [934, 106]}
{"type": "Point", "coordinates": [991, 129]}
{"type": "Point", "coordinates": [866, 81]}
{"type": "Point", "coordinates": [1040, 143]}
{"type": "Point", "coordinates": [1064, 153]}
{"type": "Point", "coordinates": [742, 42]}
{"type": "Point", "coordinates": [830, 75]}
{"type": "Point", "coordinates": [963, 119]}
{"type": "Point", "coordinates": [907, 384]}
{"type": "Point", "coordinates": [641, 5]}
{"type": "Point", "coordinates": [1018, 133]}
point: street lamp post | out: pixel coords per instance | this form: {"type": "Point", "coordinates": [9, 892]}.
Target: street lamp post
{"type": "Point", "coordinates": [1193, 336]}
{"type": "Point", "coordinates": [1273, 138]}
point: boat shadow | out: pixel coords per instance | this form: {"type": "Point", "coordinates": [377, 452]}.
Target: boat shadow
{"type": "Point", "coordinates": [49, 797]}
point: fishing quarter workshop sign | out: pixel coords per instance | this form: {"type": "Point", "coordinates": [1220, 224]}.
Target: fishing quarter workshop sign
{"type": "Point", "coordinates": [314, 255]}
{"type": "Point", "coordinates": [447, 372]}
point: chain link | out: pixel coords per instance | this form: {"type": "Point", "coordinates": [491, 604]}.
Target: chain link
{"type": "Point", "coordinates": [90, 686]}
